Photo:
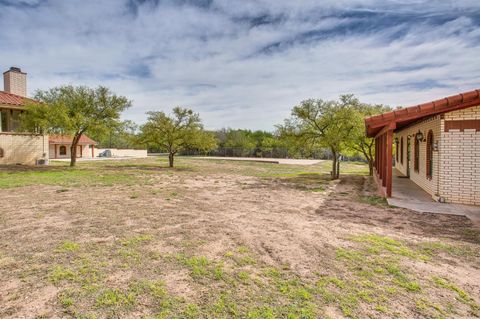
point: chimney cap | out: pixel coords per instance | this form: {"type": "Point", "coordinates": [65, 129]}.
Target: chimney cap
{"type": "Point", "coordinates": [15, 69]}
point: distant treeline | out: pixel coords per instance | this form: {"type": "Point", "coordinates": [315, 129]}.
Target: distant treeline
{"type": "Point", "coordinates": [230, 143]}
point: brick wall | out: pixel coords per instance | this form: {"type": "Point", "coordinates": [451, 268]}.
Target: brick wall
{"type": "Point", "coordinates": [23, 148]}
{"type": "Point", "coordinates": [15, 82]}
{"type": "Point", "coordinates": [460, 160]}
{"type": "Point", "coordinates": [430, 185]}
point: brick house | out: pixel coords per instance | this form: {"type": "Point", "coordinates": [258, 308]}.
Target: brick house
{"type": "Point", "coordinates": [28, 148]}
{"type": "Point", "coordinates": [437, 146]}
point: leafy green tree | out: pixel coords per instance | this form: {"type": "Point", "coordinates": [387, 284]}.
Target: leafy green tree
{"type": "Point", "coordinates": [322, 124]}
{"type": "Point", "coordinates": [241, 141]}
{"type": "Point", "coordinates": [181, 130]}
{"type": "Point", "coordinates": [204, 141]}
{"type": "Point", "coordinates": [122, 135]}
{"type": "Point", "coordinates": [358, 140]}
{"type": "Point", "coordinates": [70, 110]}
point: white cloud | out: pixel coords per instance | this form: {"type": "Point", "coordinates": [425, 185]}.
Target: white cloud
{"type": "Point", "coordinates": [246, 63]}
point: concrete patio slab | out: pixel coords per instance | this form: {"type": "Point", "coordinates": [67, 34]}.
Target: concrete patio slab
{"type": "Point", "coordinates": [407, 194]}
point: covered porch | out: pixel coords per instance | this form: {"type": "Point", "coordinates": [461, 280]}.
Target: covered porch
{"type": "Point", "coordinates": [407, 194]}
{"type": "Point", "coordinates": [382, 127]}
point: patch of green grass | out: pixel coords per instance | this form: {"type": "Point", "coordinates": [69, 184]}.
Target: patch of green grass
{"type": "Point", "coordinates": [65, 176]}
{"type": "Point", "coordinates": [68, 246]}
{"type": "Point", "coordinates": [199, 266]}
{"type": "Point", "coordinates": [60, 273]}
{"type": "Point", "coordinates": [135, 240]}
{"type": "Point", "coordinates": [246, 260]}
{"type": "Point", "coordinates": [348, 254]}
{"type": "Point", "coordinates": [243, 249]}
{"type": "Point", "coordinates": [462, 295]}
{"type": "Point", "coordinates": [129, 255]}
{"type": "Point", "coordinates": [431, 309]}
{"type": "Point", "coordinates": [66, 299]}
{"type": "Point", "coordinates": [374, 200]}
{"type": "Point", "coordinates": [264, 312]}
{"type": "Point", "coordinates": [378, 244]}
{"type": "Point", "coordinates": [114, 298]}
{"type": "Point", "coordinates": [348, 305]}
{"type": "Point", "coordinates": [224, 307]}
{"type": "Point", "coordinates": [243, 276]}
{"type": "Point", "coordinates": [320, 189]}
{"type": "Point", "coordinates": [434, 248]}
{"type": "Point", "coordinates": [325, 280]}
{"type": "Point", "coordinates": [191, 311]}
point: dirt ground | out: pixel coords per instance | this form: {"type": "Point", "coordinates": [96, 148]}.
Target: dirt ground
{"type": "Point", "coordinates": [229, 240]}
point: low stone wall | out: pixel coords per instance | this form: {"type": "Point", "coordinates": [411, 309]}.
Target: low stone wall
{"type": "Point", "coordinates": [123, 152]}
{"type": "Point", "coordinates": [20, 148]}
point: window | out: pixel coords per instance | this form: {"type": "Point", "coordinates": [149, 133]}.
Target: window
{"type": "Point", "coordinates": [3, 121]}
{"type": "Point", "coordinates": [63, 150]}
{"type": "Point", "coordinates": [401, 150]}
{"type": "Point", "coordinates": [429, 158]}
{"type": "Point", "coordinates": [15, 120]}
{"type": "Point", "coordinates": [1, 153]}
{"type": "Point", "coordinates": [416, 155]}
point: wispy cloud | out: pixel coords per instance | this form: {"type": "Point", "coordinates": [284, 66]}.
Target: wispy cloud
{"type": "Point", "coordinates": [245, 63]}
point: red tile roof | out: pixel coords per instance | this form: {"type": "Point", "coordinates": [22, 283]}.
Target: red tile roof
{"type": "Point", "coordinates": [405, 116]}
{"type": "Point", "coordinates": [12, 99]}
{"type": "Point", "coordinates": [67, 139]}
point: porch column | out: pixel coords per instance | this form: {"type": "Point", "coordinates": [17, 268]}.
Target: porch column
{"type": "Point", "coordinates": [388, 166]}
{"type": "Point", "coordinates": [55, 150]}
{"type": "Point", "coordinates": [384, 160]}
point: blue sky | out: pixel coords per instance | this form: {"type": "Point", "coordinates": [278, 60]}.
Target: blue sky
{"type": "Point", "coordinates": [245, 63]}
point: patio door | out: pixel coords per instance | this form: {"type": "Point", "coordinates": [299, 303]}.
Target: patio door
{"type": "Point", "coordinates": [408, 157]}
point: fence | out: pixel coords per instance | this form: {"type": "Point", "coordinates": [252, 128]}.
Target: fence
{"type": "Point", "coordinates": [324, 154]}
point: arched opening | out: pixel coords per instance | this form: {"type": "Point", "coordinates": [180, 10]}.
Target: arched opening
{"type": "Point", "coordinates": [401, 150]}
{"type": "Point", "coordinates": [63, 150]}
{"type": "Point", "coordinates": [429, 157]}
{"type": "Point", "coordinates": [416, 155]}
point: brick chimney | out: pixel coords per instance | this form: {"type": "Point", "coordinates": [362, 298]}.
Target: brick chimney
{"type": "Point", "coordinates": [15, 81]}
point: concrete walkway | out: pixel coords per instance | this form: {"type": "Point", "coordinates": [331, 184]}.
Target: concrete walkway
{"type": "Point", "coordinates": [287, 161]}
{"type": "Point", "coordinates": [407, 194]}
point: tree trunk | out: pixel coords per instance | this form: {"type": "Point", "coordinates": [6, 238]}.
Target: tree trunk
{"type": "Point", "coordinates": [335, 168]}
{"type": "Point", "coordinates": [370, 168]}
{"type": "Point", "coordinates": [170, 159]}
{"type": "Point", "coordinates": [371, 160]}
{"type": "Point", "coordinates": [73, 150]}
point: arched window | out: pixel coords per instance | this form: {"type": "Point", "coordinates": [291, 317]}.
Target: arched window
{"type": "Point", "coordinates": [429, 157]}
{"type": "Point", "coordinates": [1, 153]}
{"type": "Point", "coordinates": [63, 150]}
{"type": "Point", "coordinates": [401, 150]}
{"type": "Point", "coordinates": [416, 155]}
